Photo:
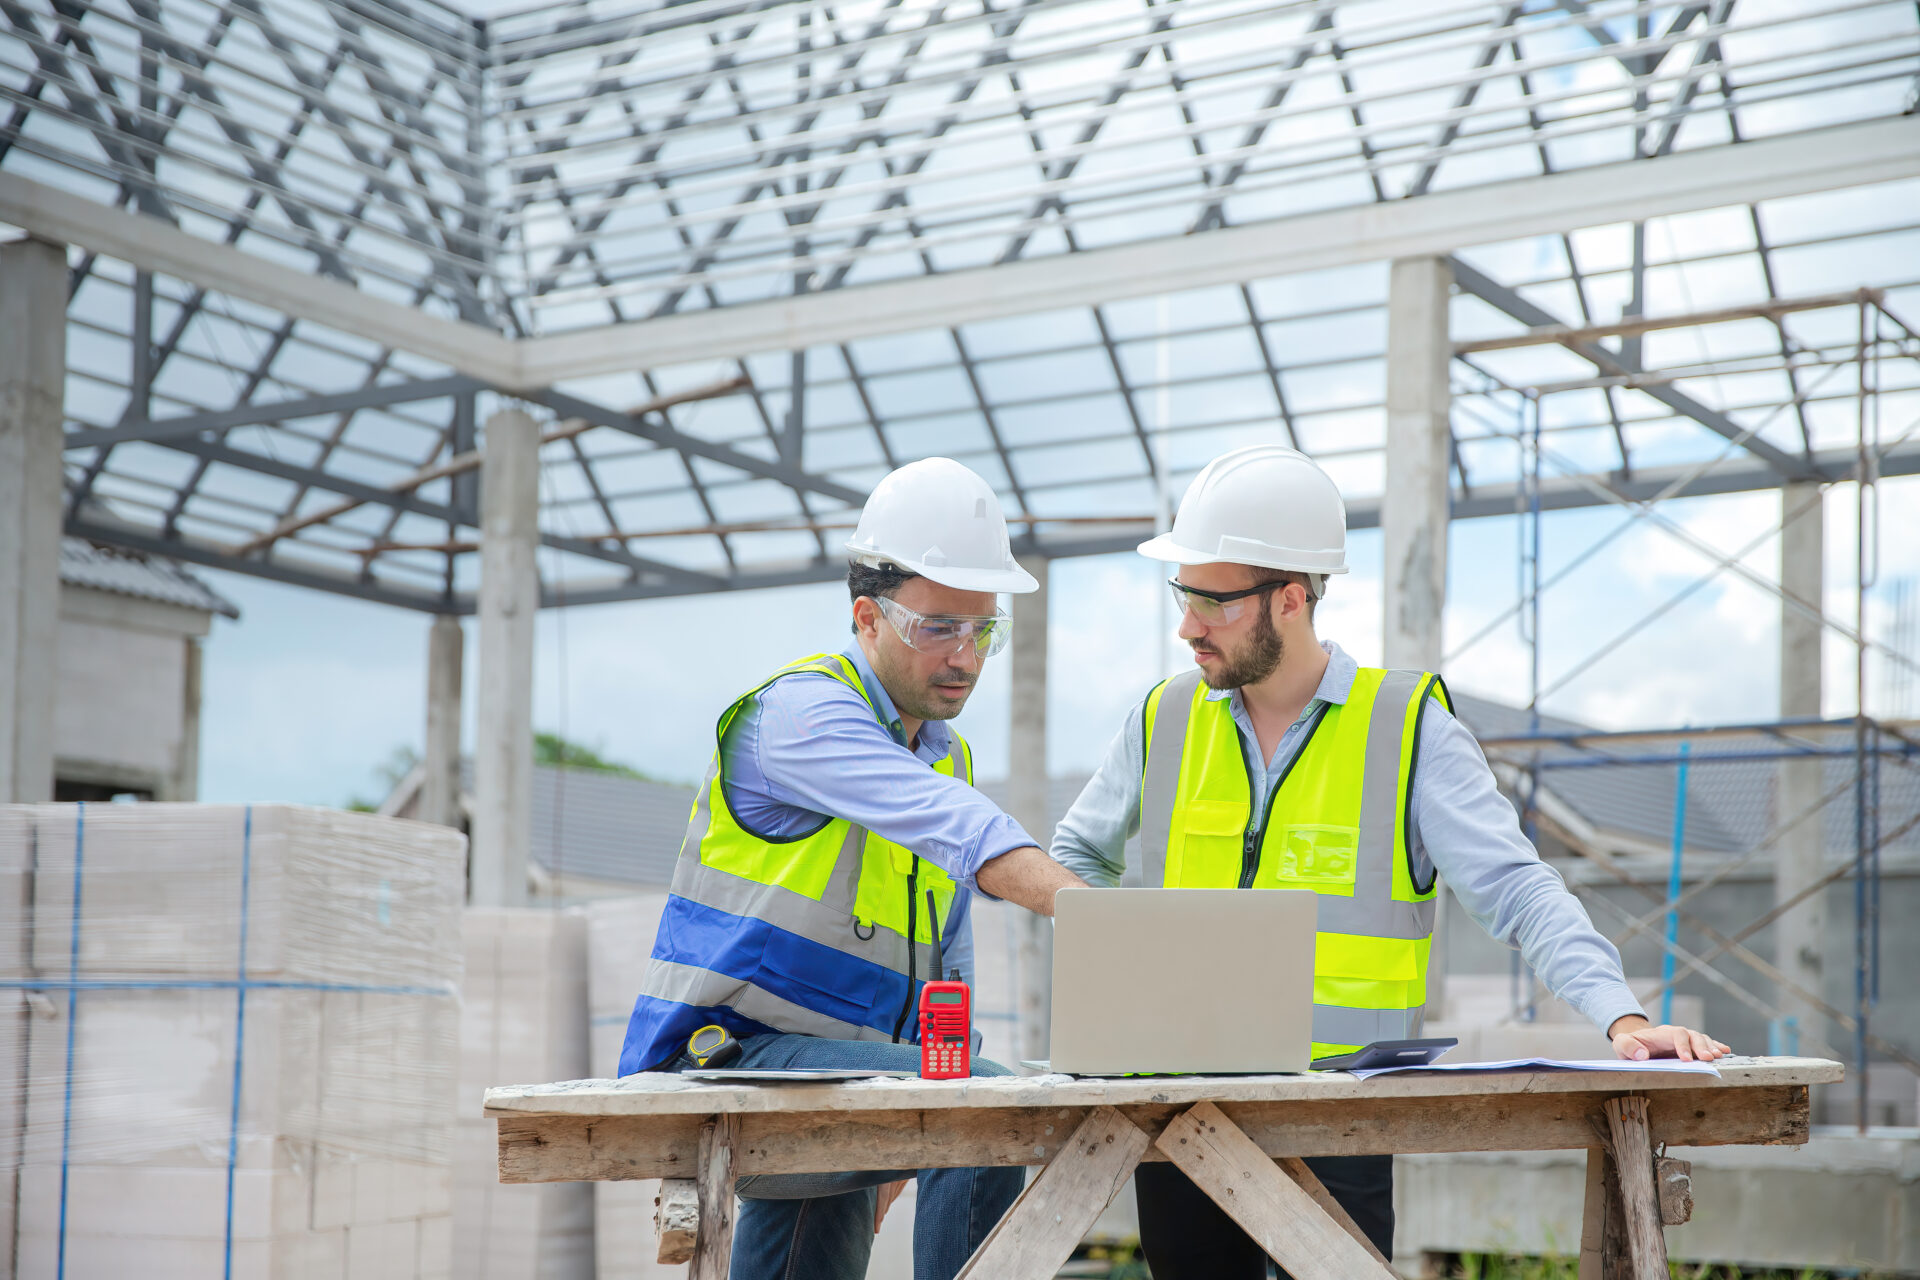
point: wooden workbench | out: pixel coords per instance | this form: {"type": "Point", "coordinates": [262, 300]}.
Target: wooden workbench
{"type": "Point", "coordinates": [1241, 1139]}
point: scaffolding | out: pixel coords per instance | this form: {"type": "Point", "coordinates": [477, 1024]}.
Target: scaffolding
{"type": "Point", "coordinates": [1869, 766]}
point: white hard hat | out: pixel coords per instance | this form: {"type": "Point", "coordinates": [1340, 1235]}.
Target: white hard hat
{"type": "Point", "coordinates": [939, 520]}
{"type": "Point", "coordinates": [1264, 505]}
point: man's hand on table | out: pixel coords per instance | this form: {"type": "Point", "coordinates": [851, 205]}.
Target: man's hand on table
{"type": "Point", "coordinates": [1636, 1039]}
{"type": "Point", "coordinates": [887, 1193]}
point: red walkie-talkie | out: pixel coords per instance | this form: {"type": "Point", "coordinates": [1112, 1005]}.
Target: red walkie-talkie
{"type": "Point", "coordinates": [946, 1030]}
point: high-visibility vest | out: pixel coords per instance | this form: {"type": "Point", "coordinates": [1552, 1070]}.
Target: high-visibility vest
{"type": "Point", "coordinates": [824, 934]}
{"type": "Point", "coordinates": [1337, 823]}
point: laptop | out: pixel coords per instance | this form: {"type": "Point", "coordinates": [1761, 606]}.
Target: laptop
{"type": "Point", "coordinates": [1196, 981]}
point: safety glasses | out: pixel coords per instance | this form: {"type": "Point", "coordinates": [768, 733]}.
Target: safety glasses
{"type": "Point", "coordinates": [1215, 608]}
{"type": "Point", "coordinates": [947, 635]}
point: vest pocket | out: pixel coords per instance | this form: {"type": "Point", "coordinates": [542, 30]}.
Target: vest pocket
{"type": "Point", "coordinates": [819, 978]}
{"type": "Point", "coordinates": [1309, 853]}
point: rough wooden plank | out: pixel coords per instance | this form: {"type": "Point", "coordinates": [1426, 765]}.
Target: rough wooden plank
{"type": "Point", "coordinates": [713, 1249]}
{"type": "Point", "coordinates": [1633, 1161]}
{"type": "Point", "coordinates": [1278, 1212]}
{"type": "Point", "coordinates": [1039, 1233]}
{"type": "Point", "coordinates": [676, 1219]}
{"type": "Point", "coordinates": [666, 1094]}
{"type": "Point", "coordinates": [1674, 1179]}
{"type": "Point", "coordinates": [564, 1148]}
{"type": "Point", "coordinates": [1309, 1181]}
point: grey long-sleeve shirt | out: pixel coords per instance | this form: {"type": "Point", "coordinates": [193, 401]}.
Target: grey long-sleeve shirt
{"type": "Point", "coordinates": [1462, 826]}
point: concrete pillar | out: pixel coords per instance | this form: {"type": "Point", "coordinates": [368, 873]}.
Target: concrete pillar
{"type": "Point", "coordinates": [440, 770]}
{"type": "Point", "coordinates": [186, 773]}
{"type": "Point", "coordinates": [1799, 936]}
{"type": "Point", "coordinates": [1413, 513]}
{"type": "Point", "coordinates": [1027, 798]}
{"type": "Point", "coordinates": [33, 375]}
{"type": "Point", "coordinates": [502, 829]}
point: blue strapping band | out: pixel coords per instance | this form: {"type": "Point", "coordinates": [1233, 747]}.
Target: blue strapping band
{"type": "Point", "coordinates": [73, 1000]}
{"type": "Point", "coordinates": [239, 1029]}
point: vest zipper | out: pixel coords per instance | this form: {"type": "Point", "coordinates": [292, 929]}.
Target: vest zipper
{"type": "Point", "coordinates": [1257, 834]}
{"type": "Point", "coordinates": [913, 877]}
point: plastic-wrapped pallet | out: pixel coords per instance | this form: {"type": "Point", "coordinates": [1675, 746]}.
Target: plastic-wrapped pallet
{"type": "Point", "coordinates": [523, 1020]}
{"type": "Point", "coordinates": [230, 1041]}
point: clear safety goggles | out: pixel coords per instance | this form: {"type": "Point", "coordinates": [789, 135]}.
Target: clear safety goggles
{"type": "Point", "coordinates": [947, 635]}
{"type": "Point", "coordinates": [1216, 608]}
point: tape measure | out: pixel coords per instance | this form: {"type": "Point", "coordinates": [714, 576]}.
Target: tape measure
{"type": "Point", "coordinates": [711, 1046]}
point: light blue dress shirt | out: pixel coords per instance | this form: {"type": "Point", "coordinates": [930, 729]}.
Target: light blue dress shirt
{"type": "Point", "coordinates": [809, 750]}
{"type": "Point", "coordinates": [1462, 825]}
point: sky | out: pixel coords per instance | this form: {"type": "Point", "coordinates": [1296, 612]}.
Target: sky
{"type": "Point", "coordinates": [308, 694]}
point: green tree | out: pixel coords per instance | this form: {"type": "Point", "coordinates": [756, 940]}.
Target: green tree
{"type": "Point", "coordinates": [563, 753]}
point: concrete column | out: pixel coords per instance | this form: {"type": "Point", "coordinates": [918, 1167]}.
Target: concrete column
{"type": "Point", "coordinates": [186, 774]}
{"type": "Point", "coordinates": [440, 771]}
{"type": "Point", "coordinates": [502, 829]}
{"type": "Point", "coordinates": [1413, 513]}
{"type": "Point", "coordinates": [1799, 936]}
{"type": "Point", "coordinates": [1027, 799]}
{"type": "Point", "coordinates": [33, 375]}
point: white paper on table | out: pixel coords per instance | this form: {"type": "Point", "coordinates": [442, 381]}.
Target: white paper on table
{"type": "Point", "coordinates": [1550, 1064]}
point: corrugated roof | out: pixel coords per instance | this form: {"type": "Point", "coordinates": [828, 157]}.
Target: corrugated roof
{"type": "Point", "coordinates": [607, 827]}
{"type": "Point", "coordinates": [129, 573]}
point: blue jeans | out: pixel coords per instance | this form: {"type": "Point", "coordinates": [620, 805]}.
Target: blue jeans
{"type": "Point", "coordinates": [819, 1226]}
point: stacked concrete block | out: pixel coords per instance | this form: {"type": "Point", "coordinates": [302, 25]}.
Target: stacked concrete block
{"type": "Point", "coordinates": [523, 1021]}
{"type": "Point", "coordinates": [232, 1046]}
{"type": "Point", "coordinates": [619, 940]}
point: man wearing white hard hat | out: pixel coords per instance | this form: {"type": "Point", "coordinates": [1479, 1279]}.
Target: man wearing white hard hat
{"type": "Point", "coordinates": [829, 863]}
{"type": "Point", "coordinates": [1279, 762]}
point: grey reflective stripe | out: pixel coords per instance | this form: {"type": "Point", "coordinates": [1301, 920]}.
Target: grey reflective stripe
{"type": "Point", "coordinates": [1337, 1024]}
{"type": "Point", "coordinates": [703, 988]}
{"type": "Point", "coordinates": [1380, 790]}
{"type": "Point", "coordinates": [702, 817]}
{"type": "Point", "coordinates": [830, 926]}
{"type": "Point", "coordinates": [1160, 774]}
{"type": "Point", "coordinates": [1374, 918]}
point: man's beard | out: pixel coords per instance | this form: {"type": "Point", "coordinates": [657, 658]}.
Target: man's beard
{"type": "Point", "coordinates": [1252, 664]}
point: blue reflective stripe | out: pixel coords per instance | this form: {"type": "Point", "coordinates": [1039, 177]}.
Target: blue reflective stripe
{"type": "Point", "coordinates": [660, 1029]}
{"type": "Point", "coordinates": [782, 963]}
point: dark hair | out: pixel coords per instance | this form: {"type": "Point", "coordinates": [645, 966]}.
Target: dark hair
{"type": "Point", "coordinates": [881, 583]}
{"type": "Point", "coordinates": [1262, 576]}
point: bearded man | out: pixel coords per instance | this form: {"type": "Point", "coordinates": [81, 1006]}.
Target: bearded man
{"type": "Point", "coordinates": [1279, 762]}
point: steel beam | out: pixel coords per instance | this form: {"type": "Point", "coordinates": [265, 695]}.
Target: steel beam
{"type": "Point", "coordinates": [667, 437]}
{"type": "Point", "coordinates": [118, 535]}
{"type": "Point", "coordinates": [378, 396]}
{"type": "Point", "coordinates": [158, 246]}
{"type": "Point", "coordinates": [1709, 178]}
{"type": "Point", "coordinates": [1491, 291]}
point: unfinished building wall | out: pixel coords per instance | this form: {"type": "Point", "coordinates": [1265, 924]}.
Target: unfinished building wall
{"type": "Point", "coordinates": [229, 1042]}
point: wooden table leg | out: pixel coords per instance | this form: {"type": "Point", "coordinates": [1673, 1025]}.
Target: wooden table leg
{"type": "Point", "coordinates": [713, 1247]}
{"type": "Point", "coordinates": [1280, 1213]}
{"type": "Point", "coordinates": [1639, 1198]}
{"type": "Point", "coordinates": [1040, 1232]}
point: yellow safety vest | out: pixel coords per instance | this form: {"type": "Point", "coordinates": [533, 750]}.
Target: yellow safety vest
{"type": "Point", "coordinates": [827, 933]}
{"type": "Point", "coordinates": [1336, 824]}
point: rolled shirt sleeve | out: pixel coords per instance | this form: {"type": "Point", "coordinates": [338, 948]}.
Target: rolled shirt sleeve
{"type": "Point", "coordinates": [1471, 835]}
{"type": "Point", "coordinates": [818, 747]}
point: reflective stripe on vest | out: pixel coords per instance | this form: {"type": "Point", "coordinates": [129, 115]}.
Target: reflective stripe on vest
{"type": "Point", "coordinates": [807, 934]}
{"type": "Point", "coordinates": [1336, 823]}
